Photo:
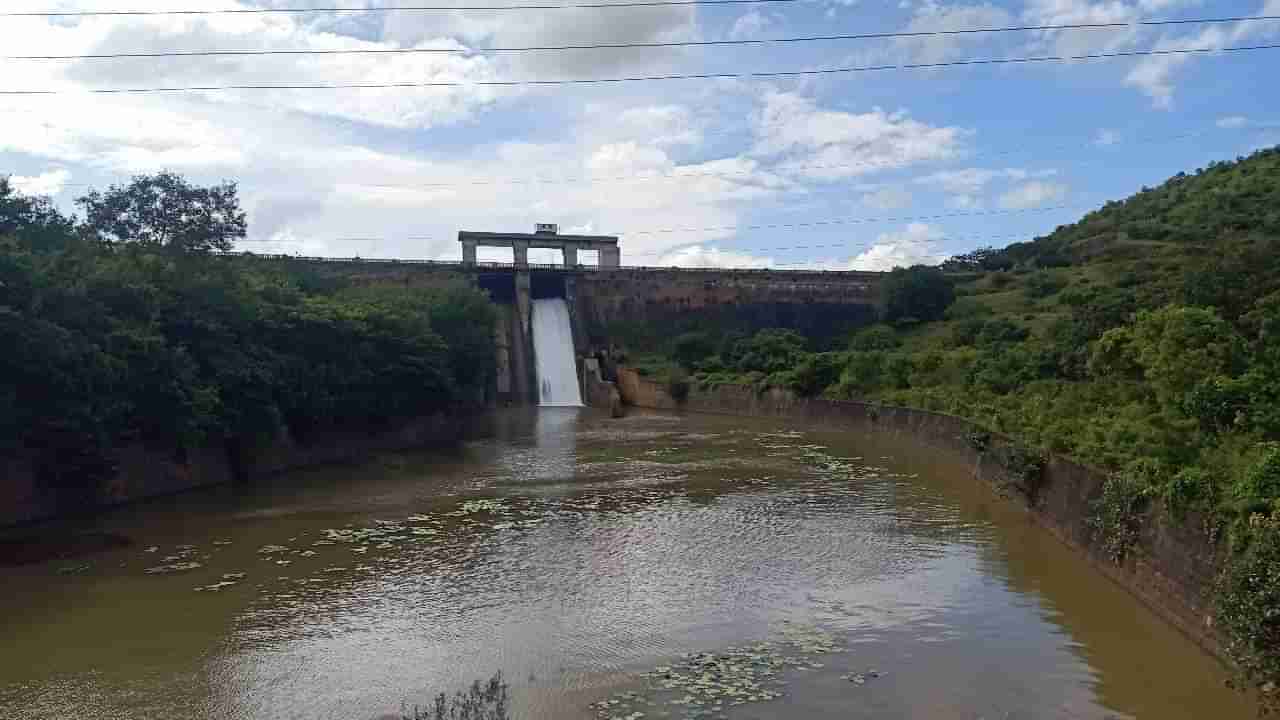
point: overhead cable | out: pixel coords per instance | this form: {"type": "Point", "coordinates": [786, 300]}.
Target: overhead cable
{"type": "Point", "coordinates": [386, 8]}
{"type": "Point", "coordinates": [633, 45]}
{"type": "Point", "coordinates": [763, 75]}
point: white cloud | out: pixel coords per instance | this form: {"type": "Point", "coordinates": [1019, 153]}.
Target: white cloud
{"type": "Point", "coordinates": [46, 183]}
{"type": "Point", "coordinates": [1033, 194]}
{"type": "Point", "coordinates": [828, 144]}
{"type": "Point", "coordinates": [1233, 122]}
{"type": "Point", "coordinates": [575, 26]}
{"type": "Point", "coordinates": [710, 257]}
{"type": "Point", "coordinates": [913, 245]}
{"type": "Point", "coordinates": [888, 198]}
{"type": "Point", "coordinates": [750, 25]}
{"type": "Point", "coordinates": [1072, 12]}
{"type": "Point", "coordinates": [964, 202]}
{"type": "Point", "coordinates": [1154, 75]}
{"type": "Point", "coordinates": [972, 181]}
{"type": "Point", "coordinates": [932, 17]}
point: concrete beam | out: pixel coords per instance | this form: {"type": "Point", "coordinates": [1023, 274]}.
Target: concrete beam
{"type": "Point", "coordinates": [610, 256]}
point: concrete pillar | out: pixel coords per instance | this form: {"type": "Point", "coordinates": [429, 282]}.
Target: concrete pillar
{"type": "Point", "coordinates": [610, 256]}
{"type": "Point", "coordinates": [502, 333]}
{"type": "Point", "coordinates": [468, 252]}
{"type": "Point", "coordinates": [523, 370]}
{"type": "Point", "coordinates": [575, 323]}
{"type": "Point", "coordinates": [520, 251]}
{"type": "Point", "coordinates": [570, 254]}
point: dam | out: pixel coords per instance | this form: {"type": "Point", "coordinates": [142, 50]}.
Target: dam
{"type": "Point", "coordinates": [608, 294]}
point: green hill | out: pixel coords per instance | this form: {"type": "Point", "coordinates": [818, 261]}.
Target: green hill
{"type": "Point", "coordinates": [1143, 339]}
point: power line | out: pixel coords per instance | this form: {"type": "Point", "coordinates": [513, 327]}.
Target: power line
{"type": "Point", "coordinates": [617, 46]}
{"type": "Point", "coordinates": [385, 9]}
{"type": "Point", "coordinates": [674, 175]}
{"type": "Point", "coordinates": [730, 173]}
{"type": "Point", "coordinates": [650, 78]}
{"type": "Point", "coordinates": [807, 224]}
{"type": "Point", "coordinates": [844, 221]}
{"type": "Point", "coordinates": [661, 253]}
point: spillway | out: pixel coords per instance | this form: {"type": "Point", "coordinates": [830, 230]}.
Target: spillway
{"type": "Point", "coordinates": [554, 356]}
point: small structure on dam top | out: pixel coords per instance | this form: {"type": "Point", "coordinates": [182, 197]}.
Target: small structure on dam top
{"type": "Point", "coordinates": [544, 236]}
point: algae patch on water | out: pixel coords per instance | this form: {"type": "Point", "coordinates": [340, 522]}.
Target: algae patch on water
{"type": "Point", "coordinates": [705, 684]}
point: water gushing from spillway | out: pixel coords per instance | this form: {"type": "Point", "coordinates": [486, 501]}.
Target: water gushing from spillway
{"type": "Point", "coordinates": [553, 353]}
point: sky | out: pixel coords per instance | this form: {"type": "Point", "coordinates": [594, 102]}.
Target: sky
{"type": "Point", "coordinates": [855, 170]}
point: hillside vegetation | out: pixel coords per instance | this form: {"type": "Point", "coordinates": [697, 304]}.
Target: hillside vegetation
{"type": "Point", "coordinates": [1143, 339]}
{"type": "Point", "coordinates": [129, 328]}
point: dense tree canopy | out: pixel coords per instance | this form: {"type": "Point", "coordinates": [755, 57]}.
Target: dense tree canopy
{"type": "Point", "coordinates": [165, 211]}
{"type": "Point", "coordinates": [132, 332]}
{"type": "Point", "coordinates": [916, 294]}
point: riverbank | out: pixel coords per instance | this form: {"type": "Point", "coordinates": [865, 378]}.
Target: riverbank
{"type": "Point", "coordinates": [143, 473]}
{"type": "Point", "coordinates": [1174, 564]}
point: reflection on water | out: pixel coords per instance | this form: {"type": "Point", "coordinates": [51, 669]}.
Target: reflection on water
{"type": "Point", "coordinates": [822, 574]}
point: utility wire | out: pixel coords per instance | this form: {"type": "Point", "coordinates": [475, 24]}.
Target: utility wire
{"type": "Point", "coordinates": [828, 186]}
{"type": "Point", "coordinates": [659, 253]}
{"type": "Point", "coordinates": [386, 8]}
{"type": "Point", "coordinates": [778, 170]}
{"type": "Point", "coordinates": [844, 221]}
{"type": "Point", "coordinates": [616, 46]}
{"type": "Point", "coordinates": [649, 78]}
{"type": "Point", "coordinates": [817, 223]}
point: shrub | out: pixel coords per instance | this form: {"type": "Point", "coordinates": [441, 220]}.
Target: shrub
{"type": "Point", "coordinates": [768, 351]}
{"type": "Point", "coordinates": [1248, 609]}
{"type": "Point", "coordinates": [1042, 285]}
{"type": "Point", "coordinates": [1000, 331]}
{"type": "Point", "coordinates": [691, 348]}
{"type": "Point", "coordinates": [815, 373]}
{"type": "Point", "coordinates": [1191, 488]}
{"type": "Point", "coordinates": [966, 331]}
{"type": "Point", "coordinates": [967, 307]}
{"type": "Point", "coordinates": [1117, 513]}
{"type": "Point", "coordinates": [918, 293]}
{"type": "Point", "coordinates": [862, 373]}
{"type": "Point", "coordinates": [1261, 481]}
{"type": "Point", "coordinates": [876, 337]}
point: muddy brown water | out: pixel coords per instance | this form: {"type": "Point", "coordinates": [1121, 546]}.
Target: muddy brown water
{"type": "Point", "coordinates": [868, 577]}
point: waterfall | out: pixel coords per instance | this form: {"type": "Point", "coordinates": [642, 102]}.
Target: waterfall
{"type": "Point", "coordinates": [553, 353]}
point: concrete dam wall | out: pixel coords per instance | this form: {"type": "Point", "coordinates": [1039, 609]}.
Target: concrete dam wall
{"type": "Point", "coordinates": [818, 304]}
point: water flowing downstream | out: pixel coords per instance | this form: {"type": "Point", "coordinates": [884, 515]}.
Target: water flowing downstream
{"type": "Point", "coordinates": [680, 567]}
{"type": "Point", "coordinates": [553, 349]}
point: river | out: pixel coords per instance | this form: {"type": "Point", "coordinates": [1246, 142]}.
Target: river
{"type": "Point", "coordinates": [577, 554]}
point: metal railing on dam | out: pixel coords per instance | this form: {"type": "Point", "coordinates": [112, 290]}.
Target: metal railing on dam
{"type": "Point", "coordinates": [490, 265]}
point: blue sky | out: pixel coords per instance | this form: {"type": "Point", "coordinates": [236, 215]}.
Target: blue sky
{"type": "Point", "coordinates": [877, 168]}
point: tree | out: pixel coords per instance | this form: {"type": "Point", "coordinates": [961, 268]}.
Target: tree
{"type": "Point", "coordinates": [691, 348]}
{"type": "Point", "coordinates": [33, 221]}
{"type": "Point", "coordinates": [918, 293]}
{"type": "Point", "coordinates": [876, 337]}
{"type": "Point", "coordinates": [770, 350]}
{"type": "Point", "coordinates": [164, 211]}
{"type": "Point", "coordinates": [1179, 347]}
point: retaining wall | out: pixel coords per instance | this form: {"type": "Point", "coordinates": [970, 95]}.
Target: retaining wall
{"type": "Point", "coordinates": [144, 473]}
